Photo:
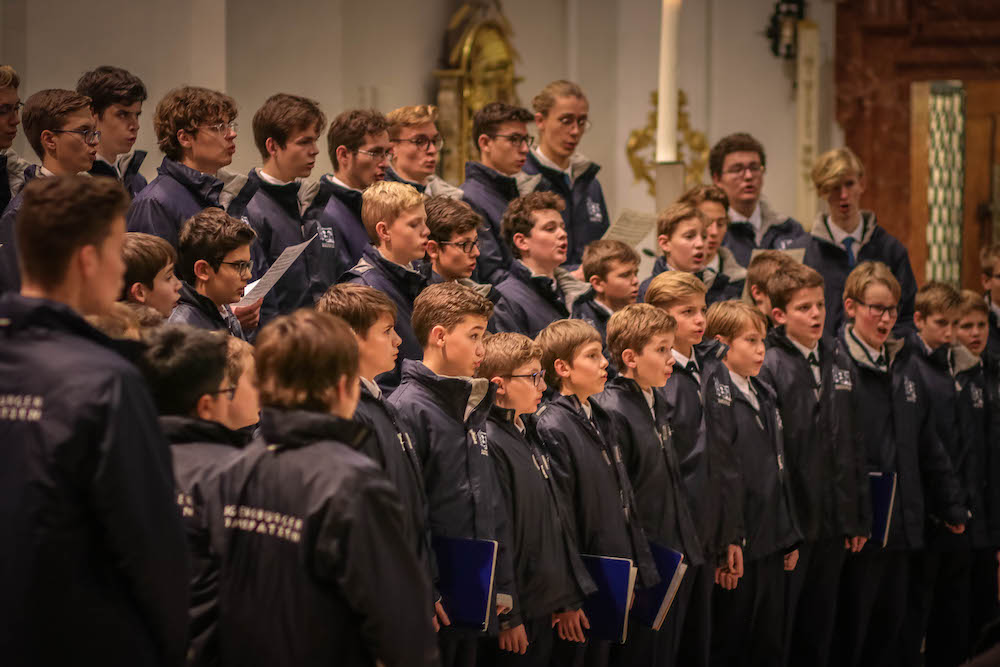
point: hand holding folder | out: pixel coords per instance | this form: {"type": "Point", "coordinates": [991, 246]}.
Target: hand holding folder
{"type": "Point", "coordinates": [466, 573]}
{"type": "Point", "coordinates": [883, 494]}
{"type": "Point", "coordinates": [608, 608]}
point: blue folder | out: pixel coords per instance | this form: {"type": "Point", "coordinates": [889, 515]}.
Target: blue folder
{"type": "Point", "coordinates": [466, 569]}
{"type": "Point", "coordinates": [883, 493]}
{"type": "Point", "coordinates": [607, 609]}
{"type": "Point", "coordinates": [653, 603]}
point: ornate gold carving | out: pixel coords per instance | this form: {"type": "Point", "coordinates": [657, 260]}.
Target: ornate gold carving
{"type": "Point", "coordinates": [692, 147]}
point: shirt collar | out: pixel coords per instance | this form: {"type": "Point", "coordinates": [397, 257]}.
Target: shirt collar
{"type": "Point", "coordinates": [587, 409]}
{"type": "Point", "coordinates": [715, 264]}
{"type": "Point", "coordinates": [372, 387]}
{"type": "Point", "coordinates": [681, 359]}
{"type": "Point", "coordinates": [839, 234]}
{"type": "Point", "coordinates": [803, 349]}
{"type": "Point", "coordinates": [742, 383]}
{"type": "Point", "coordinates": [42, 171]}
{"type": "Point", "coordinates": [755, 219]}
{"type": "Point", "coordinates": [601, 306]}
{"type": "Point", "coordinates": [648, 395]}
{"type": "Point", "coordinates": [872, 352]}
{"type": "Point", "coordinates": [342, 184]}
{"type": "Point", "coordinates": [267, 178]}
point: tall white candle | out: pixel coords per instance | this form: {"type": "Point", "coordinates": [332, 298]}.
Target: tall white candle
{"type": "Point", "coordinates": [666, 111]}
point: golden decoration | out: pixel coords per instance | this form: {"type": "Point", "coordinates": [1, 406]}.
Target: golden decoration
{"type": "Point", "coordinates": [640, 149]}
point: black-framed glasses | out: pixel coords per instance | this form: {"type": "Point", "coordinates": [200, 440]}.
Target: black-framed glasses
{"type": "Point", "coordinates": [754, 168]}
{"type": "Point", "coordinates": [228, 390]}
{"type": "Point", "coordinates": [537, 379]}
{"type": "Point", "coordinates": [581, 122]}
{"type": "Point", "coordinates": [879, 311]}
{"type": "Point", "coordinates": [465, 246]}
{"type": "Point", "coordinates": [221, 128]}
{"type": "Point", "coordinates": [8, 109]}
{"type": "Point", "coordinates": [518, 139]}
{"type": "Point", "coordinates": [92, 137]}
{"type": "Point", "coordinates": [243, 267]}
{"type": "Point", "coordinates": [423, 143]}
{"type": "Point", "coordinates": [379, 155]}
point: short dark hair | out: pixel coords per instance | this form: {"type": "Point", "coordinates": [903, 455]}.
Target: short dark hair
{"type": "Point", "coordinates": [181, 364]}
{"type": "Point", "coordinates": [350, 128]}
{"type": "Point", "coordinates": [517, 218]}
{"type": "Point", "coordinates": [599, 254]}
{"type": "Point", "coordinates": [186, 108]}
{"type": "Point", "coordinates": [109, 85]}
{"type": "Point", "coordinates": [145, 255]}
{"type": "Point", "coordinates": [210, 235]}
{"type": "Point", "coordinates": [358, 305]}
{"type": "Point", "coordinates": [489, 119]}
{"type": "Point", "coordinates": [281, 115]}
{"type": "Point", "coordinates": [447, 304]}
{"type": "Point", "coordinates": [734, 143]}
{"type": "Point", "coordinates": [700, 194]}
{"type": "Point", "coordinates": [448, 217]}
{"type": "Point", "coordinates": [47, 110]}
{"type": "Point", "coordinates": [60, 214]}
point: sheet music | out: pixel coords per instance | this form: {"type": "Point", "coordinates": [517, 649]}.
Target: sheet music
{"type": "Point", "coordinates": [631, 227]}
{"type": "Point", "coordinates": [258, 289]}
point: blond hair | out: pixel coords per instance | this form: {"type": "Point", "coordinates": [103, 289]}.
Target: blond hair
{"type": "Point", "coordinates": [936, 297]}
{"type": "Point", "coordinates": [729, 319]}
{"type": "Point", "coordinates": [9, 77]}
{"type": "Point", "coordinates": [358, 305]}
{"type": "Point", "coordinates": [833, 167]}
{"type": "Point", "coordinates": [671, 287]}
{"type": "Point", "coordinates": [384, 201]}
{"type": "Point", "coordinates": [972, 302]}
{"type": "Point", "coordinates": [546, 99]}
{"type": "Point", "coordinates": [239, 356]}
{"type": "Point", "coordinates": [410, 116]}
{"type": "Point", "coordinates": [867, 274]}
{"type": "Point", "coordinates": [446, 304]}
{"type": "Point", "coordinates": [562, 340]}
{"type": "Point", "coordinates": [505, 353]}
{"type": "Point", "coordinates": [632, 327]}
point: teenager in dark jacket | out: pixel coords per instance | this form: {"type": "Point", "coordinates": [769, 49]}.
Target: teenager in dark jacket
{"type": "Point", "coordinates": [86, 471]}
{"type": "Point", "coordinates": [502, 137]}
{"type": "Point", "coordinates": [397, 226]}
{"type": "Point", "coordinates": [214, 262]}
{"type": "Point", "coordinates": [12, 167]}
{"type": "Point", "coordinates": [681, 238]}
{"type": "Point", "coordinates": [826, 469]}
{"type": "Point", "coordinates": [359, 147]}
{"type": "Point", "coordinates": [317, 566]}
{"type": "Point", "coordinates": [61, 129]}
{"type": "Point", "coordinates": [896, 430]}
{"type": "Point", "coordinates": [416, 147]}
{"type": "Point", "coordinates": [587, 462]}
{"type": "Point", "coordinates": [745, 445]}
{"type": "Point", "coordinates": [723, 275]}
{"type": "Point", "coordinates": [847, 236]}
{"type": "Point", "coordinates": [537, 290]}
{"type": "Point", "coordinates": [445, 411]}
{"type": "Point", "coordinates": [549, 578]}
{"type": "Point", "coordinates": [561, 111]}
{"type": "Point", "coordinates": [737, 163]}
{"type": "Point", "coordinates": [640, 337]}
{"type": "Point", "coordinates": [116, 96]}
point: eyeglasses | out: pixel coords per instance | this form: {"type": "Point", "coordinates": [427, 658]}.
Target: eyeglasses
{"type": "Point", "coordinates": [537, 379]}
{"type": "Point", "coordinates": [243, 267]}
{"type": "Point", "coordinates": [228, 390]}
{"type": "Point", "coordinates": [465, 246]}
{"type": "Point", "coordinates": [737, 169]}
{"type": "Point", "coordinates": [222, 127]}
{"type": "Point", "coordinates": [518, 139]}
{"type": "Point", "coordinates": [879, 312]}
{"type": "Point", "coordinates": [8, 109]}
{"type": "Point", "coordinates": [423, 143]}
{"type": "Point", "coordinates": [378, 155]}
{"type": "Point", "coordinates": [92, 137]}
{"type": "Point", "coordinates": [581, 122]}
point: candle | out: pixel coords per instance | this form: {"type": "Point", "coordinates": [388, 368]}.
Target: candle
{"type": "Point", "coordinates": [666, 108]}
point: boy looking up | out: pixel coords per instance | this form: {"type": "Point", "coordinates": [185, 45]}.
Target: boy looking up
{"type": "Point", "coordinates": [681, 237]}
{"type": "Point", "coordinates": [149, 272]}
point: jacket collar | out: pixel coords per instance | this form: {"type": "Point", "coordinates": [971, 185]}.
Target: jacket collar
{"type": "Point", "coordinates": [778, 337]}
{"type": "Point", "coordinates": [348, 197]}
{"type": "Point", "coordinates": [16, 168]}
{"type": "Point", "coordinates": [729, 266]}
{"type": "Point", "coordinates": [290, 428]}
{"type": "Point", "coordinates": [455, 395]}
{"type": "Point", "coordinates": [287, 195]}
{"type": "Point", "coordinates": [579, 165]}
{"type": "Point", "coordinates": [938, 357]}
{"type": "Point", "coordinates": [188, 430]}
{"type": "Point", "coordinates": [206, 187]}
{"type": "Point", "coordinates": [963, 360]}
{"type": "Point", "coordinates": [590, 296]}
{"type": "Point", "coordinates": [200, 301]}
{"type": "Point", "coordinates": [566, 288]}
{"type": "Point", "coordinates": [510, 187]}
{"type": "Point", "coordinates": [408, 278]}
{"type": "Point", "coordinates": [860, 355]}
{"type": "Point", "coordinates": [821, 229]}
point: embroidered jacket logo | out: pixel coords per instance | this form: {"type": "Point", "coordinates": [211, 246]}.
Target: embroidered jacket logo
{"type": "Point", "coordinates": [326, 237]}
{"type": "Point", "coordinates": [910, 390]}
{"type": "Point", "coordinates": [594, 211]}
{"type": "Point", "coordinates": [842, 379]}
{"type": "Point", "coordinates": [722, 394]}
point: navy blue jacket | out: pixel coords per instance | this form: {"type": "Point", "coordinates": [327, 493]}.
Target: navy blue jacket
{"type": "Point", "coordinates": [597, 316]}
{"type": "Point", "coordinates": [746, 455]}
{"type": "Point", "coordinates": [652, 465]}
{"type": "Point", "coordinates": [896, 418]}
{"type": "Point", "coordinates": [826, 466]}
{"type": "Point", "coordinates": [548, 573]}
{"type": "Point", "coordinates": [531, 303]}
{"type": "Point", "coordinates": [92, 539]}
{"type": "Point", "coordinates": [128, 165]}
{"type": "Point", "coordinates": [200, 449]}
{"type": "Point", "coordinates": [402, 285]}
{"type": "Point", "coordinates": [830, 259]}
{"type": "Point", "coordinates": [723, 286]}
{"type": "Point", "coordinates": [317, 566]}
{"type": "Point", "coordinates": [178, 192]}
{"type": "Point", "coordinates": [489, 192]}
{"type": "Point", "coordinates": [590, 472]}
{"type": "Point", "coordinates": [338, 208]}
{"type": "Point", "coordinates": [10, 268]}
{"type": "Point", "coordinates": [201, 312]}
{"type": "Point", "coordinates": [459, 477]}
{"type": "Point", "coordinates": [993, 344]}
{"type": "Point", "coordinates": [15, 172]}
{"type": "Point", "coordinates": [779, 233]}
{"type": "Point", "coordinates": [586, 213]}
{"type": "Point", "coordinates": [274, 213]}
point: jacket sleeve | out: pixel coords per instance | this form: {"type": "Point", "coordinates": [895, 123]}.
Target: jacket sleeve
{"type": "Point", "coordinates": [509, 317]}
{"type": "Point", "coordinates": [10, 272]}
{"type": "Point", "coordinates": [725, 477]}
{"type": "Point", "coordinates": [505, 511]}
{"type": "Point", "coordinates": [945, 495]}
{"type": "Point", "coordinates": [362, 548]}
{"type": "Point", "coordinates": [491, 265]}
{"type": "Point", "coordinates": [133, 494]}
{"type": "Point", "coordinates": [148, 215]}
{"type": "Point", "coordinates": [904, 274]}
{"type": "Point", "coordinates": [564, 475]}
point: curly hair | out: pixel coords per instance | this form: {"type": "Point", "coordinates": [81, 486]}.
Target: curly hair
{"type": "Point", "coordinates": [350, 128]}
{"type": "Point", "coordinates": [517, 218]}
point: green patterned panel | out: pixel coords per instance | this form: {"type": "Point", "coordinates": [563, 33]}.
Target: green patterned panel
{"type": "Point", "coordinates": [946, 157]}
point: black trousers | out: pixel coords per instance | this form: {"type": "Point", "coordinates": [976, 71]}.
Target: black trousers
{"type": "Point", "coordinates": [983, 605]}
{"type": "Point", "coordinates": [938, 607]}
{"type": "Point", "coordinates": [459, 648]}
{"type": "Point", "coordinates": [811, 602]}
{"type": "Point", "coordinates": [695, 641]}
{"type": "Point", "coordinates": [874, 587]}
{"type": "Point", "coordinates": [541, 637]}
{"type": "Point", "coordinates": [655, 648]}
{"type": "Point", "coordinates": [748, 623]}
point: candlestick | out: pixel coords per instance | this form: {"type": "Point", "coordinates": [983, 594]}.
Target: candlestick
{"type": "Point", "coordinates": [666, 108]}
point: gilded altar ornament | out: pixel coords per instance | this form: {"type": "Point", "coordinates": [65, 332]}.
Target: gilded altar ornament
{"type": "Point", "coordinates": [692, 147]}
{"type": "Point", "coordinates": [479, 70]}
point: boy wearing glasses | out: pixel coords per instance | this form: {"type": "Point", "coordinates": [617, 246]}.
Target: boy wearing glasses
{"type": "Point", "coordinates": [214, 262]}
{"type": "Point", "coordinates": [416, 145]}
{"type": "Point", "coordinates": [737, 163]}
{"type": "Point", "coordinates": [501, 133]}
{"type": "Point", "coordinates": [358, 142]}
{"type": "Point", "coordinates": [116, 97]}
{"type": "Point", "coordinates": [62, 131]}
{"type": "Point", "coordinates": [12, 167]}
{"type": "Point", "coordinates": [561, 111]}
